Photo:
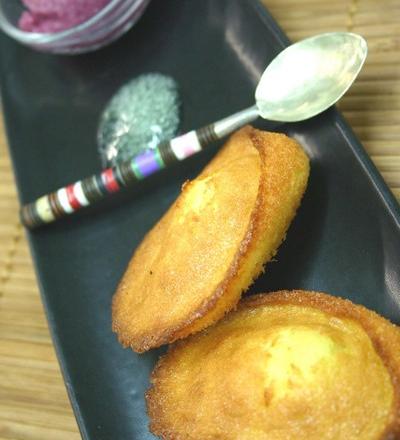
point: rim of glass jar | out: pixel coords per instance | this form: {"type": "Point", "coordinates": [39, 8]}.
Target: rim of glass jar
{"type": "Point", "coordinates": [99, 37]}
{"type": "Point", "coordinates": [97, 29]}
{"type": "Point", "coordinates": [46, 38]}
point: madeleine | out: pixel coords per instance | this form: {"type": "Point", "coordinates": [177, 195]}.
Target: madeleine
{"type": "Point", "coordinates": [215, 239]}
{"type": "Point", "coordinates": [288, 365]}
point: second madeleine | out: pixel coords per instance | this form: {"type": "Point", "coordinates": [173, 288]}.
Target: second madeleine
{"type": "Point", "coordinates": [284, 366]}
{"type": "Point", "coordinates": [192, 267]}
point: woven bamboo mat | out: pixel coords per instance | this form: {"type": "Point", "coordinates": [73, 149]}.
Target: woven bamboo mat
{"type": "Point", "coordinates": [33, 400]}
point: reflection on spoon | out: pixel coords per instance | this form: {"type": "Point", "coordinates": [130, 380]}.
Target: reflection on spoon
{"type": "Point", "coordinates": [303, 80]}
{"type": "Point", "coordinates": [310, 76]}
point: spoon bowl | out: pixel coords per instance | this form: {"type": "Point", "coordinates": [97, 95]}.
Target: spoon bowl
{"type": "Point", "coordinates": [309, 76]}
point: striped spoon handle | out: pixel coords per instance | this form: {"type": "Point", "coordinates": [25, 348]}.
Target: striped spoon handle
{"type": "Point", "coordinates": [90, 190]}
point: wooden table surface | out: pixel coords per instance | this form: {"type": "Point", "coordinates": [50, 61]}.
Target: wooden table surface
{"type": "Point", "coordinates": [33, 401]}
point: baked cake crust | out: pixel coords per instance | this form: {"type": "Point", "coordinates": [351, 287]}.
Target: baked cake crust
{"type": "Point", "coordinates": [215, 239]}
{"type": "Point", "coordinates": [206, 386]}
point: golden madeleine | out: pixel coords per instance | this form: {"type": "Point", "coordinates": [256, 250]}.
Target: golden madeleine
{"type": "Point", "coordinates": [287, 365]}
{"type": "Point", "coordinates": [192, 267]}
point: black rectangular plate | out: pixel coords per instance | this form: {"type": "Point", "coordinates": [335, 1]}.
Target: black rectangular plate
{"type": "Point", "coordinates": [345, 239]}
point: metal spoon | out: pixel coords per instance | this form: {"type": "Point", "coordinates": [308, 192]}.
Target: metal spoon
{"type": "Point", "coordinates": [302, 81]}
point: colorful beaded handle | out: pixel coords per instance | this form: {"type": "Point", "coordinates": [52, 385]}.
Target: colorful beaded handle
{"type": "Point", "coordinates": [90, 190]}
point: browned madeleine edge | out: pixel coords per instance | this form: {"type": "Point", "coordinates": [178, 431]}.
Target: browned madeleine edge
{"type": "Point", "coordinates": [384, 336]}
{"type": "Point", "coordinates": [228, 292]}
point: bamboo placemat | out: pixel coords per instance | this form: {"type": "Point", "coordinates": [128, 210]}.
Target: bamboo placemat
{"type": "Point", "coordinates": [33, 400]}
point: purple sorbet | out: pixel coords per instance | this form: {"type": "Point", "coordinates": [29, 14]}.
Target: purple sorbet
{"type": "Point", "coordinates": [50, 16]}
